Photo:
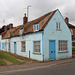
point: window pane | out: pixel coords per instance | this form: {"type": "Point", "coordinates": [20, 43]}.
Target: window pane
{"type": "Point", "coordinates": [36, 46]}
{"type": "Point", "coordinates": [23, 46]}
{"type": "Point", "coordinates": [36, 27]}
{"type": "Point", "coordinates": [62, 45]}
{"type": "Point", "coordinates": [58, 25]}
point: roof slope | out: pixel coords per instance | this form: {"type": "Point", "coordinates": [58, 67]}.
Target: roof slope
{"type": "Point", "coordinates": [70, 25]}
{"type": "Point", "coordinates": [28, 27]}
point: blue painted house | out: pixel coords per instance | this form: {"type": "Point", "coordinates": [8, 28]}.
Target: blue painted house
{"type": "Point", "coordinates": [46, 38]}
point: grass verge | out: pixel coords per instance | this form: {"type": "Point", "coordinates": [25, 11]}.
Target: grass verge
{"type": "Point", "coordinates": [9, 58]}
{"type": "Point", "coordinates": [2, 62]}
{"type": "Point", "coordinates": [23, 58]}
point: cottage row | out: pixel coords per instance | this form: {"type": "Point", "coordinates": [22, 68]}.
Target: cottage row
{"type": "Point", "coordinates": [46, 38]}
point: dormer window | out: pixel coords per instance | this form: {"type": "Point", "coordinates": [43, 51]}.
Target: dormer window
{"type": "Point", "coordinates": [58, 26]}
{"type": "Point", "coordinates": [21, 31]}
{"type": "Point", "coordinates": [36, 27]}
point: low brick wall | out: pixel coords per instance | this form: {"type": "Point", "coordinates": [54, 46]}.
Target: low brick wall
{"type": "Point", "coordinates": [73, 52]}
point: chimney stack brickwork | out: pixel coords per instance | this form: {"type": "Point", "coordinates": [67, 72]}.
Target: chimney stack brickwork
{"type": "Point", "coordinates": [67, 20]}
{"type": "Point", "coordinates": [10, 26]}
{"type": "Point", "coordinates": [25, 19]}
{"type": "Point", "coordinates": [5, 28]}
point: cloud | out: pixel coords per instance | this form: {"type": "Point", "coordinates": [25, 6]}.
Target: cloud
{"type": "Point", "coordinates": [12, 11]}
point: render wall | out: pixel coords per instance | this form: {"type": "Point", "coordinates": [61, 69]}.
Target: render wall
{"type": "Point", "coordinates": [29, 45]}
{"type": "Point", "coordinates": [3, 41]}
{"type": "Point", "coordinates": [51, 33]}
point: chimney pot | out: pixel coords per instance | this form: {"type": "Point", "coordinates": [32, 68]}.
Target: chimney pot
{"type": "Point", "coordinates": [10, 26]}
{"type": "Point", "coordinates": [25, 15]}
{"type": "Point", "coordinates": [67, 20]}
{"type": "Point", "coordinates": [25, 19]}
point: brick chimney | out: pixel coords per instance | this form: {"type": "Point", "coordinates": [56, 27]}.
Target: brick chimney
{"type": "Point", "coordinates": [5, 28]}
{"type": "Point", "coordinates": [10, 26]}
{"type": "Point", "coordinates": [25, 19]}
{"type": "Point", "coordinates": [67, 20]}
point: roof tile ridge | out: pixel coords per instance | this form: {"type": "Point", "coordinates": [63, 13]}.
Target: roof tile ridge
{"type": "Point", "coordinates": [50, 17]}
{"type": "Point", "coordinates": [46, 20]}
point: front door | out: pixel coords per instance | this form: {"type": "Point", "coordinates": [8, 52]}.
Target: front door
{"type": "Point", "coordinates": [15, 47]}
{"type": "Point", "coordinates": [51, 50]}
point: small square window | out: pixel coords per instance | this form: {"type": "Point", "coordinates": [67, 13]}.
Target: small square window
{"type": "Point", "coordinates": [36, 27]}
{"type": "Point", "coordinates": [58, 26]}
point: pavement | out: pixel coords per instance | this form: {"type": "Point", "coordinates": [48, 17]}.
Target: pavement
{"type": "Point", "coordinates": [33, 66]}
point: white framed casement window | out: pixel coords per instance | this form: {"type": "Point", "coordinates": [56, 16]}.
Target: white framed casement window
{"type": "Point", "coordinates": [21, 31]}
{"type": "Point", "coordinates": [63, 45]}
{"type": "Point", "coordinates": [23, 44]}
{"type": "Point", "coordinates": [58, 26]}
{"type": "Point", "coordinates": [36, 46]}
{"type": "Point", "coordinates": [35, 27]}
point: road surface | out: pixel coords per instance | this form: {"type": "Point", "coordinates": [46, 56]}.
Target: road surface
{"type": "Point", "coordinates": [62, 69]}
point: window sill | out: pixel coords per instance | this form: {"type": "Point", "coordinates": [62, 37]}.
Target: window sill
{"type": "Point", "coordinates": [35, 30]}
{"type": "Point", "coordinates": [37, 53]}
{"type": "Point", "coordinates": [63, 51]}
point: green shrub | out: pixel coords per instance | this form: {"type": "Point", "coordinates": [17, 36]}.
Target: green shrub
{"type": "Point", "coordinates": [73, 48]}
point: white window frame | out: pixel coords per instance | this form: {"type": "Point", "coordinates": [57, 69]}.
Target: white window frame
{"type": "Point", "coordinates": [63, 45]}
{"type": "Point", "coordinates": [37, 45]}
{"type": "Point", "coordinates": [23, 49]}
{"type": "Point", "coordinates": [21, 31]}
{"type": "Point", "coordinates": [35, 27]}
{"type": "Point", "coordinates": [58, 26]}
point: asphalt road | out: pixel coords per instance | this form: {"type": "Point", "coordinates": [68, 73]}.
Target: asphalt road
{"type": "Point", "coordinates": [63, 69]}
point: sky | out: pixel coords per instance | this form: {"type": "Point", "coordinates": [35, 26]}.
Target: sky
{"type": "Point", "coordinates": [12, 11]}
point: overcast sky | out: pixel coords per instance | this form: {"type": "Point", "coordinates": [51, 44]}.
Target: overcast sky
{"type": "Point", "coordinates": [12, 11]}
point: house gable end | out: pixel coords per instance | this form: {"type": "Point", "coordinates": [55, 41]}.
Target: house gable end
{"type": "Point", "coordinates": [57, 18]}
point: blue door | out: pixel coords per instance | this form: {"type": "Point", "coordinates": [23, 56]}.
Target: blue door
{"type": "Point", "coordinates": [51, 50]}
{"type": "Point", "coordinates": [15, 47]}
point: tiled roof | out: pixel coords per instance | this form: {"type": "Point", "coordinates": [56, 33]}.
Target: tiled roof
{"type": "Point", "coordinates": [70, 25]}
{"type": "Point", "coordinates": [28, 27]}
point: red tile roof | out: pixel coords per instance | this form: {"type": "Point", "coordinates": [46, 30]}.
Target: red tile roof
{"type": "Point", "coordinates": [70, 25]}
{"type": "Point", "coordinates": [28, 27]}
